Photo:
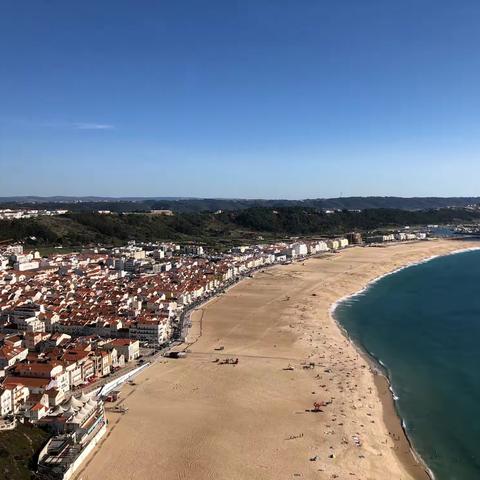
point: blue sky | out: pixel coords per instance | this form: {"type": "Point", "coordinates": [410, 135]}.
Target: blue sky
{"type": "Point", "coordinates": [250, 98]}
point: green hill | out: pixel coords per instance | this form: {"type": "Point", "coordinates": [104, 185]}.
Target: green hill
{"type": "Point", "coordinates": [75, 229]}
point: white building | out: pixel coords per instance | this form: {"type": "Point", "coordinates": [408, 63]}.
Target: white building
{"type": "Point", "coordinates": [153, 331]}
{"type": "Point", "coordinates": [32, 324]}
{"type": "Point", "coordinates": [6, 404]}
{"type": "Point", "coordinates": [10, 355]}
{"type": "Point", "coordinates": [322, 246]}
{"type": "Point", "coordinates": [24, 266]}
{"type": "Point", "coordinates": [333, 244]}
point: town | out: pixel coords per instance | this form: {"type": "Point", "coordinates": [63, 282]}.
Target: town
{"type": "Point", "coordinates": [74, 326]}
{"type": "Point", "coordinates": [22, 213]}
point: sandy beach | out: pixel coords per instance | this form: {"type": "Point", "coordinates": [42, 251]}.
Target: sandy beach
{"type": "Point", "coordinates": [197, 419]}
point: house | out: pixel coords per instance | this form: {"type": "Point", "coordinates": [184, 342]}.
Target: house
{"type": "Point", "coordinates": [49, 370]}
{"type": "Point", "coordinates": [102, 363]}
{"type": "Point", "coordinates": [116, 360]}
{"type": "Point", "coordinates": [354, 238]}
{"type": "Point", "coordinates": [10, 355]}
{"type": "Point", "coordinates": [57, 339]}
{"type": "Point", "coordinates": [333, 244]}
{"type": "Point", "coordinates": [322, 246]}
{"type": "Point", "coordinates": [32, 324]}
{"type": "Point", "coordinates": [50, 319]}
{"type": "Point", "coordinates": [380, 238]}
{"type": "Point", "coordinates": [83, 361]}
{"type": "Point", "coordinates": [74, 371]}
{"type": "Point", "coordinates": [32, 339]}
{"type": "Point", "coordinates": [299, 250]}
{"type": "Point", "coordinates": [6, 405]}
{"type": "Point", "coordinates": [35, 398]}
{"type": "Point", "coordinates": [37, 412]}
{"type": "Point", "coordinates": [151, 331]}
{"type": "Point", "coordinates": [55, 397]}
{"type": "Point", "coordinates": [129, 348]}
{"type": "Point", "coordinates": [14, 340]}
{"type": "Point", "coordinates": [19, 392]}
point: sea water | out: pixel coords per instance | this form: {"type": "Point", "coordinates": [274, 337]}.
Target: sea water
{"type": "Point", "coordinates": [423, 324]}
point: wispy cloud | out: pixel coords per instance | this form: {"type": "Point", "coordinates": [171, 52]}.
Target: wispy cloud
{"type": "Point", "coordinates": [93, 126]}
{"type": "Point", "coordinates": [29, 123]}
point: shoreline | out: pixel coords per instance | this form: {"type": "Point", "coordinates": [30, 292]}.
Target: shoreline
{"type": "Point", "coordinates": [394, 422]}
{"type": "Point", "coordinates": [414, 263]}
{"type": "Point", "coordinates": [380, 371]}
{"type": "Point", "coordinates": [280, 317]}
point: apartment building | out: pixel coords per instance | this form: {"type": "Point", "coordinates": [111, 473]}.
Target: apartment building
{"type": "Point", "coordinates": [150, 331]}
{"type": "Point", "coordinates": [130, 349]}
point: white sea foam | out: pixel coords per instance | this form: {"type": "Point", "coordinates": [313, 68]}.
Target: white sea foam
{"type": "Point", "coordinates": [394, 395]}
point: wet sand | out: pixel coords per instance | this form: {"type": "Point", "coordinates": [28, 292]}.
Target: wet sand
{"type": "Point", "coordinates": [193, 418]}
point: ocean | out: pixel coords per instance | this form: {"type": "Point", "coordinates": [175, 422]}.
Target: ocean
{"type": "Point", "coordinates": [423, 324]}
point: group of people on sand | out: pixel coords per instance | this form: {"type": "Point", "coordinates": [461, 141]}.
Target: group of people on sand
{"type": "Point", "coordinates": [226, 361]}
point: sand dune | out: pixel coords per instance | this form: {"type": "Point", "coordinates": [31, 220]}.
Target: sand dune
{"type": "Point", "coordinates": [193, 418]}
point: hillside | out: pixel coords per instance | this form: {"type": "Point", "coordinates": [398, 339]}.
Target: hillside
{"type": "Point", "coordinates": [18, 451]}
{"type": "Point", "coordinates": [126, 204]}
{"type": "Point", "coordinates": [74, 229]}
